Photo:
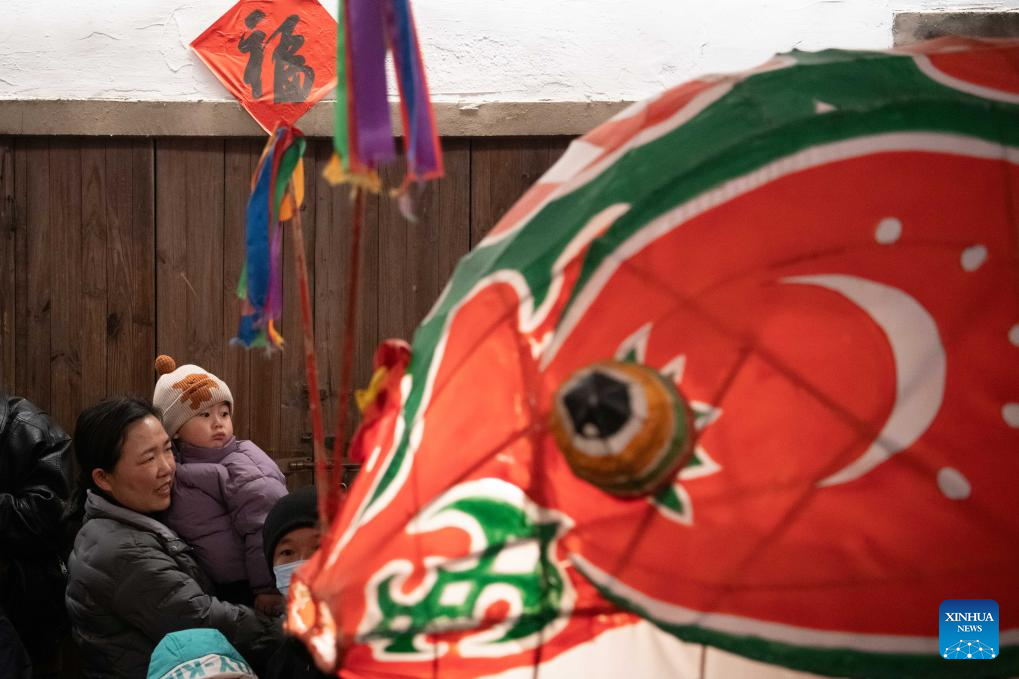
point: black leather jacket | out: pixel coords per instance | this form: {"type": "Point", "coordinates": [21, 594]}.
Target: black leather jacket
{"type": "Point", "coordinates": [35, 469]}
{"type": "Point", "coordinates": [34, 479]}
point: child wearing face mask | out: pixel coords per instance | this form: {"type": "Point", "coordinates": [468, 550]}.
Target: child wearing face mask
{"type": "Point", "coordinates": [290, 536]}
{"type": "Point", "coordinates": [224, 486]}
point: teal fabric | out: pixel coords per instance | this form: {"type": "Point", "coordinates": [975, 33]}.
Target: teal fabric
{"type": "Point", "coordinates": [197, 653]}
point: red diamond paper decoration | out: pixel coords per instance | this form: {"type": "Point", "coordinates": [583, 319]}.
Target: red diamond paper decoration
{"type": "Point", "coordinates": [278, 58]}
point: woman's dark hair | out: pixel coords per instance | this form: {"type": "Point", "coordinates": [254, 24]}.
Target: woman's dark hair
{"type": "Point", "coordinates": [99, 438]}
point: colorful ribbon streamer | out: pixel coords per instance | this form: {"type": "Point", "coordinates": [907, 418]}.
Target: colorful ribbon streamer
{"type": "Point", "coordinates": [277, 191]}
{"type": "Point", "coordinates": [363, 130]}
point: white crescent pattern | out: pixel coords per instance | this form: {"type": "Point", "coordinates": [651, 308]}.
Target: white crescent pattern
{"type": "Point", "coordinates": [919, 357]}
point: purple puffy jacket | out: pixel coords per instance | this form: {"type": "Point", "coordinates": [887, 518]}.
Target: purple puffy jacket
{"type": "Point", "coordinates": [220, 499]}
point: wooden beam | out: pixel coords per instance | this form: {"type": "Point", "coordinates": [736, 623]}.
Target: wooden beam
{"type": "Point", "coordinates": [228, 119]}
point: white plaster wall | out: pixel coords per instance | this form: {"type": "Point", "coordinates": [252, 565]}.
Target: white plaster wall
{"type": "Point", "coordinates": [476, 50]}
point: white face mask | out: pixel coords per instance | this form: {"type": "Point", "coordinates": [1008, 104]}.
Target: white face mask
{"type": "Point", "coordinates": [283, 574]}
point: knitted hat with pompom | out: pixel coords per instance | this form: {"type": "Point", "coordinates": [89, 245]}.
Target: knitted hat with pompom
{"type": "Point", "coordinates": [181, 393]}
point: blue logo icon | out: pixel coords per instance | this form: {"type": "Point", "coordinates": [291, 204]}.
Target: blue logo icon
{"type": "Point", "coordinates": [968, 629]}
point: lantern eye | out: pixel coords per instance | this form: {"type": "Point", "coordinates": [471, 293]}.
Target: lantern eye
{"type": "Point", "coordinates": [622, 427]}
{"type": "Point", "coordinates": [598, 405]}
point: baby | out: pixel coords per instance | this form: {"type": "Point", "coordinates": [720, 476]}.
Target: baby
{"type": "Point", "coordinates": [224, 486]}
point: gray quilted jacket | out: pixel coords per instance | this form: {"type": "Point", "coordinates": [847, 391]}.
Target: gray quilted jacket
{"type": "Point", "coordinates": [132, 581]}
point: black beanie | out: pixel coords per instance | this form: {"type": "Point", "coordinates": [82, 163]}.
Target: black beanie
{"type": "Point", "coordinates": [296, 510]}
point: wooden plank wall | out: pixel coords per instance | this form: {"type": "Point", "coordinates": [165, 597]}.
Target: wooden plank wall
{"type": "Point", "coordinates": [115, 250]}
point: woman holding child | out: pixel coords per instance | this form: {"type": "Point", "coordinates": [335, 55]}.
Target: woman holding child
{"type": "Point", "coordinates": [133, 579]}
{"type": "Point", "coordinates": [224, 488]}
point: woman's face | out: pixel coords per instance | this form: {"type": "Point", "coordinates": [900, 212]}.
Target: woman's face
{"type": "Point", "coordinates": [143, 476]}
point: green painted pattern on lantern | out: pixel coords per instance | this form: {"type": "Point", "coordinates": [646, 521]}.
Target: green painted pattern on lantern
{"type": "Point", "coordinates": [670, 498]}
{"type": "Point", "coordinates": [760, 120]}
{"type": "Point", "coordinates": [541, 589]}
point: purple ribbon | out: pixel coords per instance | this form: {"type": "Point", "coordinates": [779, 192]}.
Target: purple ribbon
{"type": "Point", "coordinates": [368, 62]}
{"type": "Point", "coordinates": [420, 142]}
